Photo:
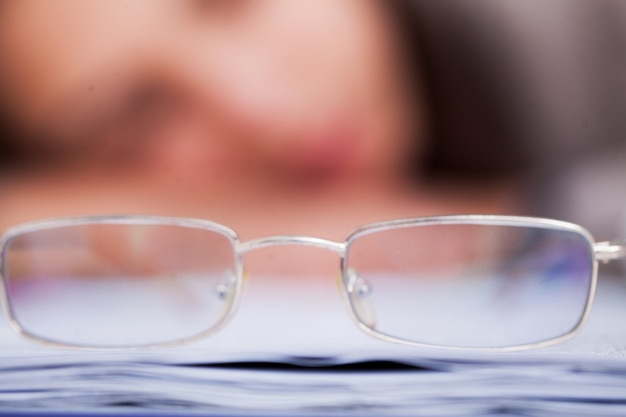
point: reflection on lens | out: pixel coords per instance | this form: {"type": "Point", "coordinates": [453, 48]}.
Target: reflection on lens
{"type": "Point", "coordinates": [108, 285]}
{"type": "Point", "coordinates": [471, 285]}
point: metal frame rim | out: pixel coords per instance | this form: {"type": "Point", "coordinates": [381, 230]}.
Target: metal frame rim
{"type": "Point", "coordinates": [341, 248]}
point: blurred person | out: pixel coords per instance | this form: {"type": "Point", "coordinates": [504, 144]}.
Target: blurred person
{"type": "Point", "coordinates": [269, 116]}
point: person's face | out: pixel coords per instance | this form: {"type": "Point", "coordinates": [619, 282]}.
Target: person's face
{"type": "Point", "coordinates": [222, 91]}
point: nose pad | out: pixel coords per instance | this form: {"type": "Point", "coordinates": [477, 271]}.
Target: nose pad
{"type": "Point", "coordinates": [359, 291]}
{"type": "Point", "coordinates": [225, 288]}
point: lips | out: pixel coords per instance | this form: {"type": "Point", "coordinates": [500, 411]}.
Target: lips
{"type": "Point", "coordinates": [326, 154]}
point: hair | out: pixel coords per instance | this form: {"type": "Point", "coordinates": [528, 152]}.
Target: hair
{"type": "Point", "coordinates": [8, 138]}
{"type": "Point", "coordinates": [472, 126]}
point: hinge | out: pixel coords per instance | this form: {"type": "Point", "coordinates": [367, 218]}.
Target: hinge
{"type": "Point", "coordinates": [609, 251]}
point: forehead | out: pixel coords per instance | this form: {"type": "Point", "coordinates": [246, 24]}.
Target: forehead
{"type": "Point", "coordinates": [48, 48]}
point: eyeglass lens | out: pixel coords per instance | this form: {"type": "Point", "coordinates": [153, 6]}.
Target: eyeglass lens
{"type": "Point", "coordinates": [108, 285]}
{"type": "Point", "coordinates": [455, 285]}
{"type": "Point", "coordinates": [476, 286]}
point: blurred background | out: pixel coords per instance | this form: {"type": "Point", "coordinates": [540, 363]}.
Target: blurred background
{"type": "Point", "coordinates": [314, 116]}
{"type": "Point", "coordinates": [559, 69]}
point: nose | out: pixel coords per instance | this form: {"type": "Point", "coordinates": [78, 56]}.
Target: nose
{"type": "Point", "coordinates": [271, 109]}
{"type": "Point", "coordinates": [248, 84]}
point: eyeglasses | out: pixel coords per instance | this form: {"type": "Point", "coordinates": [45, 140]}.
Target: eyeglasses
{"type": "Point", "coordinates": [467, 282]}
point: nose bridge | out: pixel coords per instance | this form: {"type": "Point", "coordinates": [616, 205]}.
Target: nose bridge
{"type": "Point", "coordinates": [268, 242]}
{"type": "Point", "coordinates": [250, 85]}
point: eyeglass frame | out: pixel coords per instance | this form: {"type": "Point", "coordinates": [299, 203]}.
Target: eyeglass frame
{"type": "Point", "coordinates": [605, 252]}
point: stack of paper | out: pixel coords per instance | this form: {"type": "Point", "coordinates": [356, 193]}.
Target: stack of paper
{"type": "Point", "coordinates": [292, 350]}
